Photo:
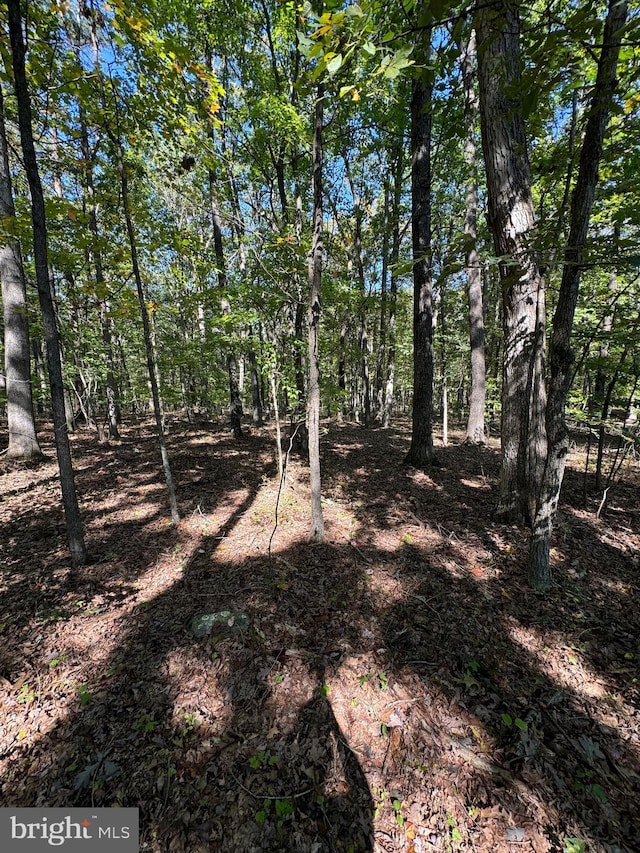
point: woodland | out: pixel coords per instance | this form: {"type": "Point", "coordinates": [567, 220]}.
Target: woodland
{"type": "Point", "coordinates": [319, 448]}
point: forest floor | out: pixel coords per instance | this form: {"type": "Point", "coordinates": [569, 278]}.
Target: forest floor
{"type": "Point", "coordinates": [398, 688]}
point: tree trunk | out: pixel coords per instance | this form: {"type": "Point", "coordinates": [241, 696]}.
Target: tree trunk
{"type": "Point", "coordinates": [151, 361]}
{"type": "Point", "coordinates": [23, 441]}
{"type": "Point", "coordinates": [363, 339]}
{"type": "Point", "coordinates": [313, 319]}
{"type": "Point", "coordinates": [443, 365]}
{"type": "Point", "coordinates": [384, 277]}
{"type": "Point", "coordinates": [113, 408]}
{"type": "Point", "coordinates": [73, 519]}
{"type": "Point", "coordinates": [560, 352]}
{"type": "Point", "coordinates": [421, 450]}
{"type": "Point", "coordinates": [604, 414]}
{"type": "Point", "coordinates": [235, 401]}
{"type": "Point", "coordinates": [512, 224]}
{"type": "Point", "coordinates": [256, 399]}
{"type": "Point", "coordinates": [393, 285]}
{"type": "Point", "coordinates": [475, 422]}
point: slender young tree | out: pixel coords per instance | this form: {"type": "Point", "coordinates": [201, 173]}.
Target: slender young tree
{"type": "Point", "coordinates": [561, 355]}
{"type": "Point", "coordinates": [313, 320]}
{"type": "Point", "coordinates": [148, 343]}
{"type": "Point", "coordinates": [23, 441]}
{"type": "Point", "coordinates": [398, 171]}
{"type": "Point", "coordinates": [73, 519]}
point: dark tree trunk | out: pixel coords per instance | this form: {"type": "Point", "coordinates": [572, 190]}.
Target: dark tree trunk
{"type": "Point", "coordinates": [444, 397]}
{"type": "Point", "coordinates": [475, 422]}
{"type": "Point", "coordinates": [604, 414]}
{"type": "Point", "coordinates": [313, 318]}
{"type": "Point", "coordinates": [512, 224]}
{"type": "Point", "coordinates": [23, 441]}
{"type": "Point", "coordinates": [73, 519]}
{"type": "Point", "coordinates": [421, 450]}
{"type": "Point", "coordinates": [256, 399]}
{"type": "Point", "coordinates": [560, 352]}
{"type": "Point", "coordinates": [342, 365]}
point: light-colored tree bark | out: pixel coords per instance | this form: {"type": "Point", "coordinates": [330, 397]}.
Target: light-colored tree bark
{"type": "Point", "coordinates": [23, 441]}
{"type": "Point", "coordinates": [475, 421]}
{"type": "Point", "coordinates": [313, 320]}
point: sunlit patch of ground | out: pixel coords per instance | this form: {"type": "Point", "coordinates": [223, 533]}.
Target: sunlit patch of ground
{"type": "Point", "coordinates": [396, 689]}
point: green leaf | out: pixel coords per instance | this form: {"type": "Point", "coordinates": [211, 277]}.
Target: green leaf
{"type": "Point", "coordinates": [520, 724]}
{"type": "Point", "coordinates": [334, 64]}
{"type": "Point", "coordinates": [507, 719]}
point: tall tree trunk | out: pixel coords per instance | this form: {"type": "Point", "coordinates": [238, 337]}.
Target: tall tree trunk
{"type": "Point", "coordinates": [151, 361]}
{"type": "Point", "coordinates": [235, 400]}
{"type": "Point", "coordinates": [256, 399]}
{"type": "Point", "coordinates": [73, 520]}
{"type": "Point", "coordinates": [384, 298]}
{"type": "Point", "coordinates": [421, 450]}
{"type": "Point", "coordinates": [393, 285]}
{"type": "Point", "coordinates": [560, 352]}
{"type": "Point", "coordinates": [475, 422]}
{"type": "Point", "coordinates": [23, 441]}
{"type": "Point", "coordinates": [443, 365]}
{"type": "Point", "coordinates": [113, 408]}
{"type": "Point", "coordinates": [512, 223]}
{"type": "Point", "coordinates": [313, 318]}
{"type": "Point", "coordinates": [342, 365]}
{"type": "Point", "coordinates": [363, 339]}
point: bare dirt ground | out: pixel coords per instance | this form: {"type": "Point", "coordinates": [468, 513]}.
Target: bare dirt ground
{"type": "Point", "coordinates": [396, 689]}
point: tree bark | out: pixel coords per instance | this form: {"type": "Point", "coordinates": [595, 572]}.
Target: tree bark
{"type": "Point", "coordinates": [421, 450]}
{"type": "Point", "coordinates": [73, 520]}
{"type": "Point", "coordinates": [561, 355]}
{"type": "Point", "coordinates": [475, 421]}
{"type": "Point", "coordinates": [23, 441]}
{"type": "Point", "coordinates": [393, 285]}
{"type": "Point", "coordinates": [512, 224]}
{"type": "Point", "coordinates": [313, 319]}
{"type": "Point", "coordinates": [113, 408]}
{"type": "Point", "coordinates": [363, 338]}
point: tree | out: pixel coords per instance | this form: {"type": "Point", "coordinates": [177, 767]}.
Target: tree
{"type": "Point", "coordinates": [561, 356]}
{"type": "Point", "coordinates": [23, 441]}
{"type": "Point", "coordinates": [421, 450]}
{"type": "Point", "coordinates": [75, 534]}
{"type": "Point", "coordinates": [475, 423]}
{"type": "Point", "coordinates": [512, 223]}
{"type": "Point", "coordinates": [313, 320]}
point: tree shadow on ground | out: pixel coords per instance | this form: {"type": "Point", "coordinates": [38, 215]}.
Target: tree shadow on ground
{"type": "Point", "coordinates": [400, 680]}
